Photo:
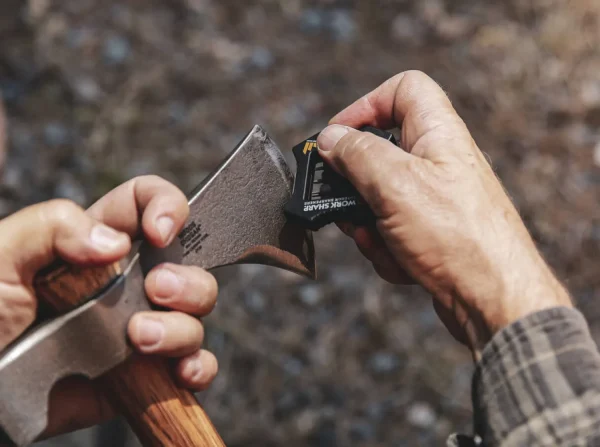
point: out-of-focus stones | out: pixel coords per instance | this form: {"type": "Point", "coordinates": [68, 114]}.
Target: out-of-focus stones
{"type": "Point", "coordinates": [453, 27]}
{"type": "Point", "coordinates": [339, 23]}
{"type": "Point", "coordinates": [86, 89]}
{"type": "Point", "coordinates": [362, 431]}
{"type": "Point", "coordinates": [178, 112]}
{"type": "Point", "coordinates": [77, 38]}
{"type": "Point", "coordinates": [407, 30]}
{"type": "Point", "coordinates": [313, 20]}
{"type": "Point", "coordinates": [311, 295]}
{"type": "Point", "coordinates": [69, 188]}
{"type": "Point", "coordinates": [255, 301]}
{"type": "Point", "coordinates": [262, 58]}
{"type": "Point", "coordinates": [37, 9]}
{"type": "Point", "coordinates": [324, 436]}
{"type": "Point", "coordinates": [12, 176]}
{"type": "Point", "coordinates": [597, 154]}
{"type": "Point", "coordinates": [56, 134]}
{"type": "Point", "coordinates": [291, 401]}
{"type": "Point", "coordinates": [431, 11]}
{"type": "Point", "coordinates": [590, 93]}
{"type": "Point", "coordinates": [116, 49]}
{"type": "Point", "coordinates": [12, 90]}
{"type": "Point", "coordinates": [342, 25]}
{"type": "Point", "coordinates": [294, 116]}
{"type": "Point", "coordinates": [421, 415]}
{"type": "Point", "coordinates": [293, 366]}
{"type": "Point", "coordinates": [383, 362]}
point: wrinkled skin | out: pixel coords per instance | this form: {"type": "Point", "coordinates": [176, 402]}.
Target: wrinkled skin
{"type": "Point", "coordinates": [148, 206]}
{"type": "Point", "coordinates": [444, 219]}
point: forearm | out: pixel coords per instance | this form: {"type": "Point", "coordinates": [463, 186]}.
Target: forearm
{"type": "Point", "coordinates": [538, 383]}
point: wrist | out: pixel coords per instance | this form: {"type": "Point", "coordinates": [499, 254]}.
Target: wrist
{"type": "Point", "coordinates": [528, 291]}
{"type": "Point", "coordinates": [534, 294]}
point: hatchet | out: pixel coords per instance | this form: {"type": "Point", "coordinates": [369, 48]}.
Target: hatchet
{"type": "Point", "coordinates": [236, 216]}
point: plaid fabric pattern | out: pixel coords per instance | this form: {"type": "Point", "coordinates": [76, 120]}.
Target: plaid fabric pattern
{"type": "Point", "coordinates": [538, 384]}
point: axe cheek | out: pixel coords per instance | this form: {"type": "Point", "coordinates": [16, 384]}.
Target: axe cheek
{"type": "Point", "coordinates": [237, 215]}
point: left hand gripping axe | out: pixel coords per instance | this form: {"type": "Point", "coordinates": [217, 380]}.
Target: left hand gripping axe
{"type": "Point", "coordinates": [236, 216]}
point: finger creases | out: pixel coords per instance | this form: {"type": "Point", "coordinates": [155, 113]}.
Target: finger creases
{"type": "Point", "coordinates": [31, 238]}
{"type": "Point", "coordinates": [411, 100]}
{"type": "Point", "coordinates": [369, 162]}
{"type": "Point", "coordinates": [173, 334]}
{"type": "Point", "coordinates": [162, 206]}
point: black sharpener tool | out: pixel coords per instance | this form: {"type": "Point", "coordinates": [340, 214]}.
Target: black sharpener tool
{"type": "Point", "coordinates": [321, 195]}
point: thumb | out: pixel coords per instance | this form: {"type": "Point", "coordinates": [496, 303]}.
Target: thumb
{"type": "Point", "coordinates": [31, 239]}
{"type": "Point", "coordinates": [369, 162]}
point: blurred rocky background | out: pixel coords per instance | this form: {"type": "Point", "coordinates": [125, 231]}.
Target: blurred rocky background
{"type": "Point", "coordinates": [97, 92]}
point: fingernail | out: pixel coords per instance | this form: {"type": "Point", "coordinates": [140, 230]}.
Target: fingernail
{"type": "Point", "coordinates": [330, 136]}
{"type": "Point", "coordinates": [165, 224]}
{"type": "Point", "coordinates": [150, 333]}
{"type": "Point", "coordinates": [105, 238]}
{"type": "Point", "coordinates": [168, 284]}
{"type": "Point", "coordinates": [193, 369]}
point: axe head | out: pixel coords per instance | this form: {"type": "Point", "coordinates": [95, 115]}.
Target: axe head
{"type": "Point", "coordinates": [237, 215]}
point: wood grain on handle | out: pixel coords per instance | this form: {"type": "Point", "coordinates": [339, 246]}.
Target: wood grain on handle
{"type": "Point", "coordinates": [64, 287]}
{"type": "Point", "coordinates": [160, 412]}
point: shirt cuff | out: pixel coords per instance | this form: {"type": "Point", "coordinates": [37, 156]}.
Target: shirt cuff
{"type": "Point", "coordinates": [528, 371]}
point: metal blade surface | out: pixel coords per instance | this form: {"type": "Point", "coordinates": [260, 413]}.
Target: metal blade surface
{"type": "Point", "coordinates": [237, 215]}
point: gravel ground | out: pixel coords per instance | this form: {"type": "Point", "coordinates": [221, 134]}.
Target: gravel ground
{"type": "Point", "coordinates": [98, 92]}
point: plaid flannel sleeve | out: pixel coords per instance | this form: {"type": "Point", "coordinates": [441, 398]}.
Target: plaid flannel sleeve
{"type": "Point", "coordinates": [538, 384]}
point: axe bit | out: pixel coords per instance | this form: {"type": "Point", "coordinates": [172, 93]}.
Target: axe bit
{"type": "Point", "coordinates": [236, 216]}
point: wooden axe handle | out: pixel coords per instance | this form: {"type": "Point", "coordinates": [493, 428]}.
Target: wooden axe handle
{"type": "Point", "coordinates": [160, 412]}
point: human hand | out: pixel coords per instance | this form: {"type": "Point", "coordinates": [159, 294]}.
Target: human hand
{"type": "Point", "coordinates": [149, 205]}
{"type": "Point", "coordinates": [442, 215]}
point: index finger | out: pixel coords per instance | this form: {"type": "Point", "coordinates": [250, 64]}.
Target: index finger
{"type": "Point", "coordinates": [411, 100]}
{"type": "Point", "coordinates": [160, 205]}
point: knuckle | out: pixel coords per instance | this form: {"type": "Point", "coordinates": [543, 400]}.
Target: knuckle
{"type": "Point", "coordinates": [149, 178]}
{"type": "Point", "coordinates": [428, 114]}
{"type": "Point", "coordinates": [210, 369]}
{"type": "Point", "coordinates": [421, 89]}
{"type": "Point", "coordinates": [201, 293]}
{"type": "Point", "coordinates": [414, 79]}
{"type": "Point", "coordinates": [207, 306]}
{"type": "Point", "coordinates": [212, 365]}
{"type": "Point", "coordinates": [158, 186]}
{"type": "Point", "coordinates": [358, 149]}
{"type": "Point", "coordinates": [394, 81]}
{"type": "Point", "coordinates": [194, 329]}
{"type": "Point", "coordinates": [210, 288]}
{"type": "Point", "coordinates": [145, 181]}
{"type": "Point", "coordinates": [61, 211]}
{"type": "Point", "coordinates": [199, 338]}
